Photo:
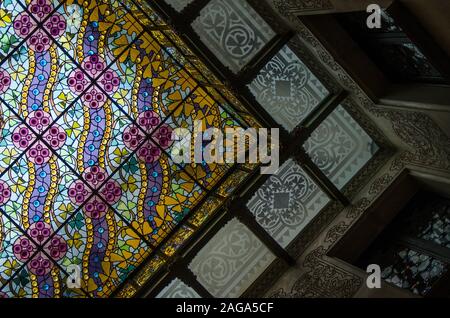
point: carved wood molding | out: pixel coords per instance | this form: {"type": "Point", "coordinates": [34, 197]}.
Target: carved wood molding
{"type": "Point", "coordinates": [294, 7]}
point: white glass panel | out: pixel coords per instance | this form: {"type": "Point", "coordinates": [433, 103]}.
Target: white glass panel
{"type": "Point", "coordinates": [231, 261]}
{"type": "Point", "coordinates": [233, 31]}
{"type": "Point", "coordinates": [178, 289]}
{"type": "Point", "coordinates": [340, 147]}
{"type": "Point", "coordinates": [287, 202]}
{"type": "Point", "coordinates": [287, 89]}
{"type": "Point", "coordinates": [179, 5]}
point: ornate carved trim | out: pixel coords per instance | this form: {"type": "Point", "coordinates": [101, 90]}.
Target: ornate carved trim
{"type": "Point", "coordinates": [294, 7]}
{"type": "Point", "coordinates": [269, 15]}
{"type": "Point", "coordinates": [310, 233]}
{"type": "Point", "coordinates": [324, 280]}
{"type": "Point", "coordinates": [271, 275]}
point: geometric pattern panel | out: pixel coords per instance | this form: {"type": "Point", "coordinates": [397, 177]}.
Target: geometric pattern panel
{"type": "Point", "coordinates": [287, 202]}
{"type": "Point", "coordinates": [340, 147]}
{"type": "Point", "coordinates": [178, 289]}
{"type": "Point", "coordinates": [233, 31]}
{"type": "Point", "coordinates": [88, 103]}
{"type": "Point", "coordinates": [287, 89]}
{"type": "Point", "coordinates": [231, 261]}
{"type": "Point", "coordinates": [179, 5]}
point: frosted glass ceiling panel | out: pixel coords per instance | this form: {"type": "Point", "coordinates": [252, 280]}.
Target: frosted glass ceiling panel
{"type": "Point", "coordinates": [178, 289]}
{"type": "Point", "coordinates": [179, 5]}
{"type": "Point", "coordinates": [231, 261]}
{"type": "Point", "coordinates": [287, 89]}
{"type": "Point", "coordinates": [287, 202]}
{"type": "Point", "coordinates": [233, 31]}
{"type": "Point", "coordinates": [340, 147]}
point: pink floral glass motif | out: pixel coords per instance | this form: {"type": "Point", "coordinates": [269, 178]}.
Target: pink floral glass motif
{"type": "Point", "coordinates": [40, 10]}
{"type": "Point", "coordinates": [25, 249]}
{"type": "Point", "coordinates": [39, 121]}
{"type": "Point", "coordinates": [150, 122]}
{"type": "Point", "coordinates": [95, 207]}
{"type": "Point", "coordinates": [5, 81]}
{"type": "Point", "coordinates": [78, 81]}
{"type": "Point", "coordinates": [5, 193]}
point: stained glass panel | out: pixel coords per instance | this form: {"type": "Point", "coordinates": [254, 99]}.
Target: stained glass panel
{"type": "Point", "coordinates": [437, 230]}
{"type": "Point", "coordinates": [413, 250]}
{"type": "Point", "coordinates": [414, 271]}
{"type": "Point", "coordinates": [89, 99]}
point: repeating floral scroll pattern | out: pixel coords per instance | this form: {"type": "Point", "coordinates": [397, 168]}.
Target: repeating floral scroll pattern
{"type": "Point", "coordinates": [287, 89]}
{"type": "Point", "coordinates": [231, 261]}
{"type": "Point", "coordinates": [287, 202]}
{"type": "Point", "coordinates": [233, 31]}
{"type": "Point", "coordinates": [178, 289]}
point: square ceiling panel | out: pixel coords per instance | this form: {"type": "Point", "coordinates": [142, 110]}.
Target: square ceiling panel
{"type": "Point", "coordinates": [287, 89]}
{"type": "Point", "coordinates": [89, 96]}
{"type": "Point", "coordinates": [287, 202]}
{"type": "Point", "coordinates": [233, 31]}
{"type": "Point", "coordinates": [231, 261]}
{"type": "Point", "coordinates": [178, 289]}
{"type": "Point", "coordinates": [340, 147]}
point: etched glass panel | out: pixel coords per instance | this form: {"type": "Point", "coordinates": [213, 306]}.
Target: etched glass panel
{"type": "Point", "coordinates": [287, 202]}
{"type": "Point", "coordinates": [179, 5]}
{"type": "Point", "coordinates": [340, 147]}
{"type": "Point", "coordinates": [178, 289]}
{"type": "Point", "coordinates": [231, 261]}
{"type": "Point", "coordinates": [233, 31]}
{"type": "Point", "coordinates": [287, 89]}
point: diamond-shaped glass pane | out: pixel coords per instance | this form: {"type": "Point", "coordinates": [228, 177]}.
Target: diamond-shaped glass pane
{"type": "Point", "coordinates": [179, 5]}
{"type": "Point", "coordinates": [287, 89]}
{"type": "Point", "coordinates": [231, 261]}
{"type": "Point", "coordinates": [340, 147]}
{"type": "Point", "coordinates": [233, 31]}
{"type": "Point", "coordinates": [287, 202]}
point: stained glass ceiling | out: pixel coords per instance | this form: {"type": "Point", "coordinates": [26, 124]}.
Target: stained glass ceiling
{"type": "Point", "coordinates": [89, 93]}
